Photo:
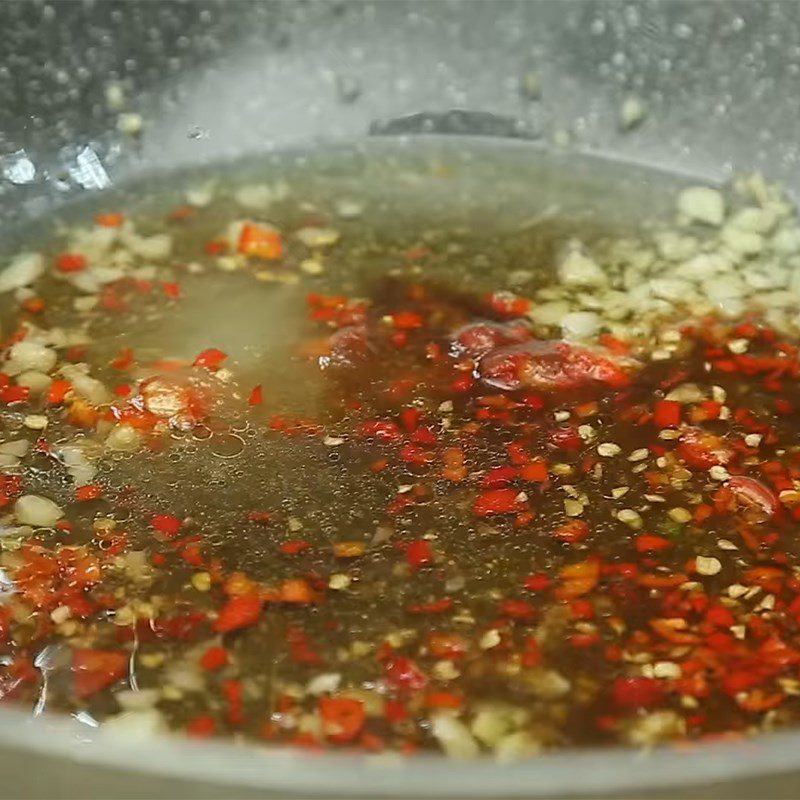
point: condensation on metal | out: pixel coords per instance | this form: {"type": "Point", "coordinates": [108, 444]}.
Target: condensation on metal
{"type": "Point", "coordinates": [211, 82]}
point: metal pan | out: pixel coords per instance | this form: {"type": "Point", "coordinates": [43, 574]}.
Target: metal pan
{"type": "Point", "coordinates": [204, 82]}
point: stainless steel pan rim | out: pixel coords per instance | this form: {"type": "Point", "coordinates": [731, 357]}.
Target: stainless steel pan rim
{"type": "Point", "coordinates": [291, 770]}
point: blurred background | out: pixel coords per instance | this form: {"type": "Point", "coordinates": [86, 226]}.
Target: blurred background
{"type": "Point", "coordinates": [93, 91]}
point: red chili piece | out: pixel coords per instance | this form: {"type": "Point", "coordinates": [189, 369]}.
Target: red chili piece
{"type": "Point", "coordinates": [342, 718]}
{"type": "Point", "coordinates": [214, 658]}
{"type": "Point", "coordinates": [550, 367]}
{"type": "Point", "coordinates": [210, 358]}
{"type": "Point", "coordinates": [71, 262]}
{"type": "Point", "coordinates": [419, 553]}
{"type": "Point", "coordinates": [753, 493]}
{"type": "Point", "coordinates": [403, 674]}
{"type": "Point", "coordinates": [166, 524]}
{"type": "Point", "coordinates": [667, 414]}
{"type": "Point", "coordinates": [575, 530]}
{"type": "Point", "coordinates": [94, 670]}
{"type": "Point", "coordinates": [495, 502]}
{"type": "Point", "coordinates": [238, 612]}
{"type": "Point", "coordinates": [91, 491]}
{"type": "Point", "coordinates": [256, 397]}
{"type": "Point", "coordinates": [633, 693]}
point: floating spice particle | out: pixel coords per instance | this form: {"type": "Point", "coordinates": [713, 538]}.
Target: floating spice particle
{"type": "Point", "coordinates": [608, 449]}
{"type": "Point", "coordinates": [790, 497]}
{"type": "Point", "coordinates": [60, 614]}
{"type": "Point", "coordinates": [640, 454]}
{"type": "Point", "coordinates": [586, 432]}
{"type": "Point", "coordinates": [339, 581]}
{"type": "Point", "coordinates": [562, 470]}
{"type": "Point", "coordinates": [738, 346]}
{"type": "Point", "coordinates": [349, 549]}
{"type": "Point", "coordinates": [349, 209]}
{"type": "Point", "coordinates": [702, 204]}
{"type": "Point", "coordinates": [719, 473]}
{"type": "Point", "coordinates": [667, 669]}
{"type": "Point", "coordinates": [259, 241]}
{"type": "Point", "coordinates": [318, 237]}
{"type": "Point", "coordinates": [573, 508]}
{"type": "Point", "coordinates": [767, 603]}
{"type": "Point", "coordinates": [687, 393]}
{"type": "Point", "coordinates": [718, 394]}
{"type": "Point", "coordinates": [201, 581]}
{"type": "Point", "coordinates": [630, 518]}
{"type": "Point", "coordinates": [152, 660]}
{"type": "Point", "coordinates": [490, 639]}
{"type": "Point", "coordinates": [311, 266]}
{"type": "Point", "coordinates": [707, 565]}
{"type": "Point", "coordinates": [130, 123]}
{"type": "Point", "coordinates": [680, 515]}
{"type": "Point", "coordinates": [632, 113]}
{"type": "Point", "coordinates": [445, 671]}
{"type": "Point", "coordinates": [736, 590]}
{"type": "Point", "coordinates": [530, 85]}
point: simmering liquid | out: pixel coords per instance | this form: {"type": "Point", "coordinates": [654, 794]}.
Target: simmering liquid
{"type": "Point", "coordinates": [440, 448]}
